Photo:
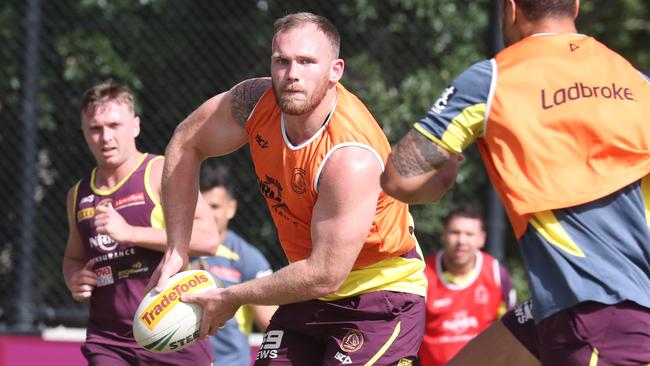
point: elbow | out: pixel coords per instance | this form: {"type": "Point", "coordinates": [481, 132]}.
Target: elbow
{"type": "Point", "coordinates": [398, 189]}
{"type": "Point", "coordinates": [417, 190]}
{"type": "Point", "coordinates": [394, 188]}
{"type": "Point", "coordinates": [326, 283]}
{"type": "Point", "coordinates": [404, 188]}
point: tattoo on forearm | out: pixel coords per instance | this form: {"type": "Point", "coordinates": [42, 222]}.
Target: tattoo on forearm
{"type": "Point", "coordinates": [415, 155]}
{"type": "Point", "coordinates": [245, 96]}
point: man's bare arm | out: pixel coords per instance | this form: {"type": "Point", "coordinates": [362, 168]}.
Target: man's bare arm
{"type": "Point", "coordinates": [342, 217]}
{"type": "Point", "coordinates": [419, 170]}
{"type": "Point", "coordinates": [416, 155]}
{"type": "Point", "coordinates": [245, 96]}
{"type": "Point", "coordinates": [216, 128]}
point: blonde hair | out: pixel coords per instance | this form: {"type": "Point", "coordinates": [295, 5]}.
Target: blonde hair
{"type": "Point", "coordinates": [106, 91]}
{"type": "Point", "coordinates": [324, 25]}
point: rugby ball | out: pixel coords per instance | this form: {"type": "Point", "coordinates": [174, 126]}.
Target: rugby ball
{"type": "Point", "coordinates": [164, 323]}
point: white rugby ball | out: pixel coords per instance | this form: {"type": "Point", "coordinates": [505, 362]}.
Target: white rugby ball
{"type": "Point", "coordinates": [162, 322]}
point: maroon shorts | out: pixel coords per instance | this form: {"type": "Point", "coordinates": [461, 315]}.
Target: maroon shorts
{"type": "Point", "coordinates": [97, 354]}
{"type": "Point", "coordinates": [382, 327]}
{"type": "Point", "coordinates": [520, 323]}
{"type": "Point", "coordinates": [592, 333]}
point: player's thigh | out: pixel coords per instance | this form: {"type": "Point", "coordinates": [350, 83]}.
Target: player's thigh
{"type": "Point", "coordinates": [286, 347]}
{"type": "Point", "coordinates": [393, 340]}
{"type": "Point", "coordinates": [106, 355]}
{"type": "Point", "coordinates": [495, 346]}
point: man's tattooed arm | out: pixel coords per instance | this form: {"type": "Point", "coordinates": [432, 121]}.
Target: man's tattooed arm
{"type": "Point", "coordinates": [415, 155]}
{"type": "Point", "coordinates": [244, 97]}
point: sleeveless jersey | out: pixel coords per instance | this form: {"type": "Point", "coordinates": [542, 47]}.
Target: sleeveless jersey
{"type": "Point", "coordinates": [457, 313]}
{"type": "Point", "coordinates": [575, 87]}
{"type": "Point", "coordinates": [288, 178]}
{"type": "Point", "coordinates": [559, 122]}
{"type": "Point", "coordinates": [123, 270]}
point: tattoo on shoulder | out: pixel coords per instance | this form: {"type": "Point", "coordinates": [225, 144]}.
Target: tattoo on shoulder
{"type": "Point", "coordinates": [245, 95]}
{"type": "Point", "coordinates": [415, 155]}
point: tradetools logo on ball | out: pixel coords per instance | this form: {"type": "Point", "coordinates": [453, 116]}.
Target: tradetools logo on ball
{"type": "Point", "coordinates": [170, 297]}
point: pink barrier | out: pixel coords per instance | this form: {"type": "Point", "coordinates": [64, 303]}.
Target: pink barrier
{"type": "Point", "coordinates": [26, 350]}
{"type": "Point", "coordinates": [33, 350]}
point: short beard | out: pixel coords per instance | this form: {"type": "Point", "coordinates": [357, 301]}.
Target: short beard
{"type": "Point", "coordinates": [296, 108]}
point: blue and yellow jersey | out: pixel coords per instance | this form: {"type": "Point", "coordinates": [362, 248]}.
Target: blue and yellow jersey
{"type": "Point", "coordinates": [567, 154]}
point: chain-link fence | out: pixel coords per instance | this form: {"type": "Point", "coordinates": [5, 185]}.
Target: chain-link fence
{"type": "Point", "coordinates": [175, 54]}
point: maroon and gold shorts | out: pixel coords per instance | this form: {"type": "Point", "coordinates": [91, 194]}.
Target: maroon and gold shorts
{"type": "Point", "coordinates": [378, 328]}
{"type": "Point", "coordinates": [592, 333]}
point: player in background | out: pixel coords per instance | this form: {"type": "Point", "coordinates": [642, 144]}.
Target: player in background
{"type": "Point", "coordinates": [236, 261]}
{"type": "Point", "coordinates": [561, 123]}
{"type": "Point", "coordinates": [353, 292]}
{"type": "Point", "coordinates": [116, 234]}
{"type": "Point", "coordinates": [468, 289]}
{"type": "Point", "coordinates": [512, 341]}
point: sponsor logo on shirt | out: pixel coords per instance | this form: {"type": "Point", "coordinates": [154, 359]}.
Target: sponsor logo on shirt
{"type": "Point", "coordinates": [261, 141]}
{"type": "Point", "coordinates": [114, 255]}
{"type": "Point", "coordinates": [443, 100]}
{"type": "Point", "coordinates": [272, 191]}
{"type": "Point", "coordinates": [103, 242]}
{"type": "Point", "coordinates": [88, 199]}
{"type": "Point", "coordinates": [581, 91]}
{"type": "Point", "coordinates": [524, 312]}
{"type": "Point", "coordinates": [460, 323]}
{"type": "Point", "coordinates": [136, 268]}
{"type": "Point", "coordinates": [85, 214]}
{"type": "Point", "coordinates": [104, 276]}
{"type": "Point", "coordinates": [342, 358]}
{"type": "Point", "coordinates": [440, 303]}
{"type": "Point", "coordinates": [130, 200]}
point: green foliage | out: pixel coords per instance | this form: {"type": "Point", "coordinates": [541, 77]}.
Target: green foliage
{"type": "Point", "coordinates": [88, 56]}
{"type": "Point", "coordinates": [519, 278]}
{"type": "Point", "coordinates": [400, 54]}
{"type": "Point", "coordinates": [622, 25]}
{"type": "Point", "coordinates": [417, 47]}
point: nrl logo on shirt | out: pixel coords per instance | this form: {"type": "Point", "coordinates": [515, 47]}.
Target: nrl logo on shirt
{"type": "Point", "coordinates": [443, 100]}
